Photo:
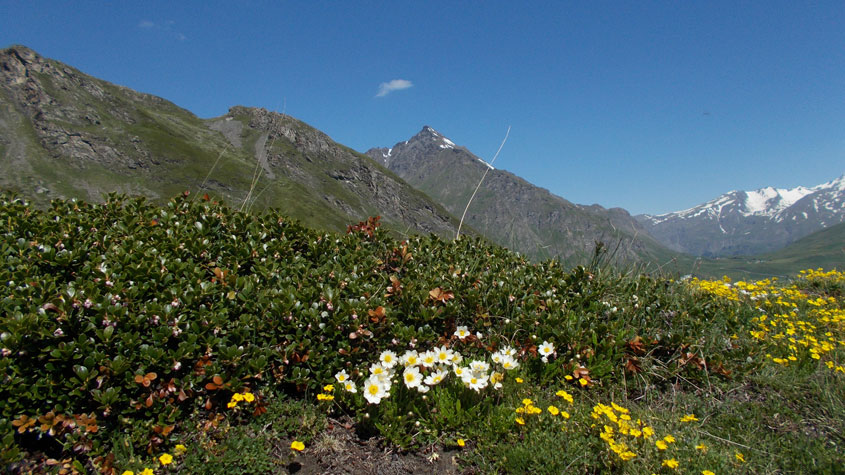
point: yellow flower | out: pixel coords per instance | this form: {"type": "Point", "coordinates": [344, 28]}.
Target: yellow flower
{"type": "Point", "coordinates": [661, 445]}
{"type": "Point", "coordinates": [627, 455]}
{"type": "Point", "coordinates": [527, 402]}
{"type": "Point", "coordinates": [568, 377]}
{"type": "Point", "coordinates": [179, 449]}
{"type": "Point", "coordinates": [669, 439]}
{"type": "Point", "coordinates": [249, 397]}
{"type": "Point", "coordinates": [297, 445]}
{"type": "Point", "coordinates": [520, 421]}
{"type": "Point", "coordinates": [237, 397]}
{"type": "Point", "coordinates": [689, 418]}
{"type": "Point", "coordinates": [565, 395]}
{"type": "Point", "coordinates": [583, 381]}
{"type": "Point", "coordinates": [740, 457]}
{"type": "Point", "coordinates": [165, 459]}
{"type": "Point", "coordinates": [128, 472]}
{"type": "Point", "coordinates": [701, 447]}
{"type": "Point", "coordinates": [648, 432]}
{"type": "Point", "coordinates": [707, 472]}
{"type": "Point", "coordinates": [553, 410]}
{"type": "Point", "coordinates": [671, 463]}
{"type": "Point", "coordinates": [148, 471]}
{"type": "Point", "coordinates": [231, 404]}
{"type": "Point", "coordinates": [325, 397]}
{"type": "Point", "coordinates": [519, 380]}
{"type": "Point", "coordinates": [564, 414]}
{"type": "Point", "coordinates": [328, 388]}
{"type": "Point", "coordinates": [461, 443]}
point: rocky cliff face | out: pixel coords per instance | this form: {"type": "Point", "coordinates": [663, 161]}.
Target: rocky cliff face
{"type": "Point", "coordinates": [71, 135]}
{"type": "Point", "coordinates": [508, 209]}
{"type": "Point", "coordinates": [66, 134]}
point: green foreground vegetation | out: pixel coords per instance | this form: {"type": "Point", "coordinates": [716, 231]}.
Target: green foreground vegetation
{"type": "Point", "coordinates": [191, 338]}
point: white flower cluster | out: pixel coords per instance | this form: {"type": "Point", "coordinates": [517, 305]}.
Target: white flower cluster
{"type": "Point", "coordinates": [422, 371]}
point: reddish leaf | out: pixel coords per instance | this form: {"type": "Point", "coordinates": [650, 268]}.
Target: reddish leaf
{"type": "Point", "coordinates": [636, 346]}
{"type": "Point", "coordinates": [441, 295]}
{"type": "Point", "coordinates": [633, 365]}
{"type": "Point", "coordinates": [377, 315]}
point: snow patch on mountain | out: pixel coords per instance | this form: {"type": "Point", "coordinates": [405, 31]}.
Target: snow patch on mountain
{"type": "Point", "coordinates": [767, 202]}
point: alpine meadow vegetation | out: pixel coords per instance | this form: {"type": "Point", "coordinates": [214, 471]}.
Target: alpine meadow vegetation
{"type": "Point", "coordinates": [194, 338]}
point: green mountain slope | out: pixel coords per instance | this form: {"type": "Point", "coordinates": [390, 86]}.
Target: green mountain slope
{"type": "Point", "coordinates": [825, 249]}
{"type": "Point", "coordinates": [66, 134]}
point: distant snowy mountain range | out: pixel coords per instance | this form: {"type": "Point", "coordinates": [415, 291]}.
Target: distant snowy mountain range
{"type": "Point", "coordinates": [750, 222]}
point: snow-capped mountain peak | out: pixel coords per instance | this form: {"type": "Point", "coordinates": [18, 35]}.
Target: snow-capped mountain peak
{"type": "Point", "coordinates": [768, 216]}
{"type": "Point", "coordinates": [442, 142]}
{"type": "Point", "coordinates": [769, 201]}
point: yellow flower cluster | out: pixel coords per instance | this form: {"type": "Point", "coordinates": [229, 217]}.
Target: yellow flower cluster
{"type": "Point", "coordinates": [794, 324]}
{"type": "Point", "coordinates": [325, 395]}
{"type": "Point", "coordinates": [614, 437]}
{"type": "Point", "coordinates": [240, 397]}
{"type": "Point", "coordinates": [819, 275]}
{"type": "Point", "coordinates": [528, 409]}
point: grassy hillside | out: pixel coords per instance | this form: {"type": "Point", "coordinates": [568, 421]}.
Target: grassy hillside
{"type": "Point", "coordinates": [192, 338]}
{"type": "Point", "coordinates": [822, 249]}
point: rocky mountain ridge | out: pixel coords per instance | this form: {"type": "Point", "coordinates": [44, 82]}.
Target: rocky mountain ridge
{"type": "Point", "coordinates": [67, 134]}
{"type": "Point", "coordinates": [510, 210]}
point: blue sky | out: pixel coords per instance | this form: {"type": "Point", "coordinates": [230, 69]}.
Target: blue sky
{"type": "Point", "coordinates": [650, 106]}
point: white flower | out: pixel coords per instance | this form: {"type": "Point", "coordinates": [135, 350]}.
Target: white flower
{"type": "Point", "coordinates": [388, 358]}
{"type": "Point", "coordinates": [456, 358]}
{"type": "Point", "coordinates": [410, 358]}
{"type": "Point", "coordinates": [497, 357]}
{"type": "Point", "coordinates": [436, 377]}
{"type": "Point", "coordinates": [412, 377]}
{"type": "Point", "coordinates": [383, 374]}
{"type": "Point", "coordinates": [423, 389]}
{"type": "Point", "coordinates": [546, 349]}
{"type": "Point", "coordinates": [374, 391]}
{"type": "Point", "coordinates": [509, 363]}
{"type": "Point", "coordinates": [479, 366]}
{"type": "Point", "coordinates": [443, 355]}
{"type": "Point", "coordinates": [462, 332]}
{"type": "Point", "coordinates": [508, 350]}
{"type": "Point", "coordinates": [341, 376]}
{"type": "Point", "coordinates": [476, 381]}
{"type": "Point", "coordinates": [428, 359]}
{"type": "Point", "coordinates": [349, 385]}
{"type": "Point", "coordinates": [460, 371]}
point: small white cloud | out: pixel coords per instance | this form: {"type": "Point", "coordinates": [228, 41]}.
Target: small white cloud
{"type": "Point", "coordinates": [165, 28]}
{"type": "Point", "coordinates": [395, 85]}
